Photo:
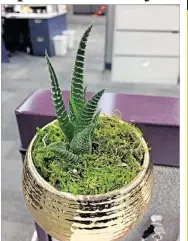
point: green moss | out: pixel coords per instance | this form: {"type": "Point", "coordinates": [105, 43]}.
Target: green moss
{"type": "Point", "coordinates": [116, 159]}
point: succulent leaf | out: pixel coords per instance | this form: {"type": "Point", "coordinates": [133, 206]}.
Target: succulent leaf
{"type": "Point", "coordinates": [59, 148]}
{"type": "Point", "coordinates": [94, 121]}
{"type": "Point", "coordinates": [81, 142]}
{"type": "Point", "coordinates": [72, 114]}
{"type": "Point", "coordinates": [96, 116]}
{"type": "Point", "coordinates": [58, 103]}
{"type": "Point", "coordinates": [85, 92]}
{"type": "Point", "coordinates": [77, 95]}
{"type": "Point", "coordinates": [87, 114]}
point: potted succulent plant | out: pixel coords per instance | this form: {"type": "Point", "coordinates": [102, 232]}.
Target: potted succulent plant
{"type": "Point", "coordinates": [86, 176]}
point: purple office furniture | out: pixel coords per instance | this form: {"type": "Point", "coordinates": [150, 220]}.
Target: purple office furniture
{"type": "Point", "coordinates": [157, 117]}
{"type": "Point", "coordinates": [4, 56]}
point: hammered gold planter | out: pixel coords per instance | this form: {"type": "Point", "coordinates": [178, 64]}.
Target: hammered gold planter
{"type": "Point", "coordinates": [86, 218]}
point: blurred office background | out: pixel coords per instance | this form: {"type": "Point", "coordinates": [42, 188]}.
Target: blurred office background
{"type": "Point", "coordinates": [130, 49]}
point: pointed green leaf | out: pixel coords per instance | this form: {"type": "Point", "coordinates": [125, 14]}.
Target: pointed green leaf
{"type": "Point", "coordinates": [85, 92]}
{"type": "Point", "coordinates": [77, 89]}
{"type": "Point", "coordinates": [58, 104]}
{"type": "Point", "coordinates": [60, 151]}
{"type": "Point", "coordinates": [94, 121]}
{"type": "Point", "coordinates": [96, 116]}
{"type": "Point", "coordinates": [71, 114]}
{"type": "Point", "coordinates": [88, 111]}
{"type": "Point", "coordinates": [81, 142]}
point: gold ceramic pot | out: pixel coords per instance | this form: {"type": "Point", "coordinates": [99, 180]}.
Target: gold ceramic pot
{"type": "Point", "coordinates": [103, 217]}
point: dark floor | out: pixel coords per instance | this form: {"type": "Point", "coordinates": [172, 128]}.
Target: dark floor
{"type": "Point", "coordinates": [25, 74]}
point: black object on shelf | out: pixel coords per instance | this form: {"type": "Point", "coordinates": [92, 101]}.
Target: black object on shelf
{"type": "Point", "coordinates": [16, 35]}
{"type": "Point", "coordinates": [9, 9]}
{"type": "Point", "coordinates": [36, 8]}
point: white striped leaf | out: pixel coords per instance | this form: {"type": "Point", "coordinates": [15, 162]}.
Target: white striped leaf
{"type": "Point", "coordinates": [81, 142]}
{"type": "Point", "coordinates": [87, 114]}
{"type": "Point", "coordinates": [60, 151]}
{"type": "Point", "coordinates": [85, 92]}
{"type": "Point", "coordinates": [58, 104]}
{"type": "Point", "coordinates": [77, 95]}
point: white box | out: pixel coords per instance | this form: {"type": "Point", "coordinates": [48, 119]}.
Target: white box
{"type": "Point", "coordinates": [70, 38]}
{"type": "Point", "coordinates": [60, 45]}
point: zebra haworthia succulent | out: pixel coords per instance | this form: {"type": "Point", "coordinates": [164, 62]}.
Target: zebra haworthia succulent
{"type": "Point", "coordinates": [78, 123]}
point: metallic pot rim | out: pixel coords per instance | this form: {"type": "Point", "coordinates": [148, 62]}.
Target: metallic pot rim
{"type": "Point", "coordinates": [99, 197]}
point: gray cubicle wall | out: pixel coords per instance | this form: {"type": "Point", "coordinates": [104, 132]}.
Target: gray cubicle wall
{"type": "Point", "coordinates": [86, 8]}
{"type": "Point", "coordinates": [110, 11]}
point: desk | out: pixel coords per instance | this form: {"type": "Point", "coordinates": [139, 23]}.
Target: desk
{"type": "Point", "coordinates": [39, 30]}
{"type": "Point", "coordinates": [33, 15]}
